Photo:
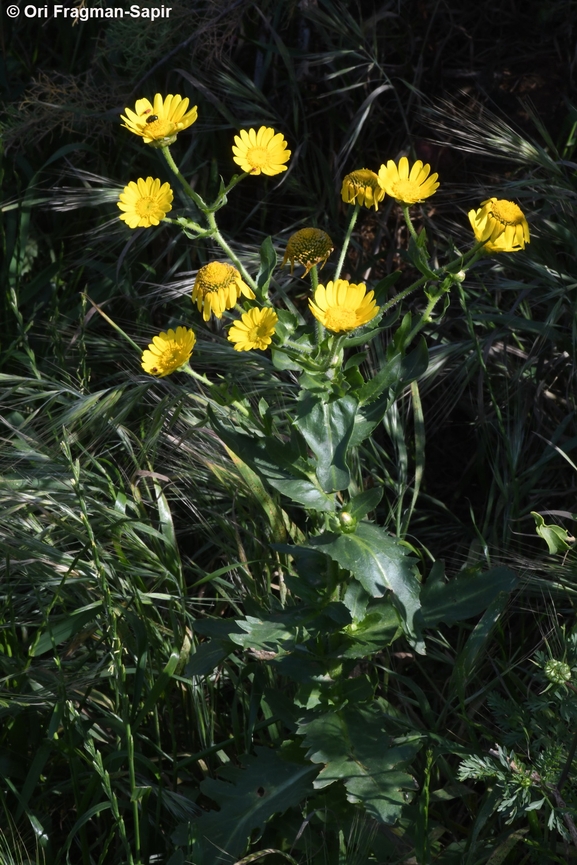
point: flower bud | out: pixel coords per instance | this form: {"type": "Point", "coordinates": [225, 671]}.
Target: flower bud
{"type": "Point", "coordinates": [557, 672]}
{"type": "Point", "coordinates": [347, 522]}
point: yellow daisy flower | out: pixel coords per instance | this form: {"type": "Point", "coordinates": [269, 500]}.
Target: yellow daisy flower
{"type": "Point", "coordinates": [406, 186]}
{"type": "Point", "coordinates": [254, 330]}
{"type": "Point", "coordinates": [159, 121]}
{"type": "Point", "coordinates": [262, 151]}
{"type": "Point", "coordinates": [168, 351]}
{"type": "Point", "coordinates": [217, 287]}
{"type": "Point", "coordinates": [343, 306]}
{"type": "Point", "coordinates": [145, 202]}
{"type": "Point", "coordinates": [308, 246]}
{"type": "Point", "coordinates": [362, 187]}
{"type": "Point", "coordinates": [501, 225]}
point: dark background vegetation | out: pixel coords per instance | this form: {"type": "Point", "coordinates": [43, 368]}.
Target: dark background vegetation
{"type": "Point", "coordinates": [482, 91]}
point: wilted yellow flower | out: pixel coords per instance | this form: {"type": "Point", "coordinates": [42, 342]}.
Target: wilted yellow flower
{"type": "Point", "coordinates": [160, 121]}
{"type": "Point", "coordinates": [168, 351]}
{"type": "Point", "coordinates": [362, 187]}
{"type": "Point", "coordinates": [254, 330]}
{"type": "Point", "coordinates": [145, 202]}
{"type": "Point", "coordinates": [343, 306]}
{"type": "Point", "coordinates": [308, 246]}
{"type": "Point", "coordinates": [406, 186]}
{"type": "Point", "coordinates": [501, 225]}
{"type": "Point", "coordinates": [217, 287]}
{"type": "Point", "coordinates": [263, 151]}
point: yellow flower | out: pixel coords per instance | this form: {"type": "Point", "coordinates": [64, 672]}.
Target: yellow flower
{"type": "Point", "coordinates": [145, 202]}
{"type": "Point", "coordinates": [362, 187]}
{"type": "Point", "coordinates": [342, 306]}
{"type": "Point", "coordinates": [501, 225]}
{"type": "Point", "coordinates": [408, 186]}
{"type": "Point", "coordinates": [308, 246]}
{"type": "Point", "coordinates": [159, 121]}
{"type": "Point", "coordinates": [254, 330]}
{"type": "Point", "coordinates": [168, 351]}
{"type": "Point", "coordinates": [261, 151]}
{"type": "Point", "coordinates": [217, 287]}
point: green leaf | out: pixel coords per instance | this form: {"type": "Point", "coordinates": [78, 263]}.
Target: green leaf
{"type": "Point", "coordinates": [274, 461]}
{"type": "Point", "coordinates": [59, 630]}
{"type": "Point", "coordinates": [388, 376]}
{"type": "Point", "coordinates": [415, 364]}
{"type": "Point", "coordinates": [467, 661]}
{"type": "Point", "coordinates": [266, 785]}
{"type": "Point", "coordinates": [268, 261]}
{"type": "Point", "coordinates": [267, 634]}
{"type": "Point", "coordinates": [380, 564]}
{"type": "Point", "coordinates": [327, 429]}
{"type": "Point", "coordinates": [556, 537]}
{"type": "Point", "coordinates": [418, 255]}
{"type": "Point", "coordinates": [463, 597]}
{"type": "Point", "coordinates": [356, 600]}
{"type": "Point", "coordinates": [207, 656]}
{"type": "Point", "coordinates": [378, 629]}
{"type": "Point", "coordinates": [354, 748]}
{"type": "Point", "coordinates": [361, 504]}
{"type": "Point", "coordinates": [363, 338]}
{"type": "Point", "coordinates": [369, 416]}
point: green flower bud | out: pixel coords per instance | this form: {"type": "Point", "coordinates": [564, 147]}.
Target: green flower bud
{"type": "Point", "coordinates": [347, 522]}
{"type": "Point", "coordinates": [557, 672]}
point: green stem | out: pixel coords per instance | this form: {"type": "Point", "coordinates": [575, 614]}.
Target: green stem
{"type": "Point", "coordinates": [346, 241]}
{"type": "Point", "coordinates": [113, 323]}
{"type": "Point", "coordinates": [224, 245]}
{"type": "Point", "coordinates": [402, 294]}
{"type": "Point", "coordinates": [197, 375]}
{"type": "Point", "coordinates": [200, 203]}
{"type": "Point", "coordinates": [319, 329]}
{"type": "Point", "coordinates": [194, 226]}
{"type": "Point", "coordinates": [202, 378]}
{"type": "Point", "coordinates": [410, 225]}
{"type": "Point", "coordinates": [454, 266]}
{"type": "Point", "coordinates": [133, 797]}
{"type": "Point", "coordinates": [221, 200]}
{"type": "Point", "coordinates": [425, 317]}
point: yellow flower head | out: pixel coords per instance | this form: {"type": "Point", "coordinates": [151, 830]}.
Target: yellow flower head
{"type": "Point", "coordinates": [254, 330]}
{"type": "Point", "coordinates": [168, 351]}
{"type": "Point", "coordinates": [217, 287]}
{"type": "Point", "coordinates": [406, 186]}
{"type": "Point", "coordinates": [159, 122]}
{"type": "Point", "coordinates": [362, 187]}
{"type": "Point", "coordinates": [263, 151]}
{"type": "Point", "coordinates": [342, 306]}
{"type": "Point", "coordinates": [308, 246]}
{"type": "Point", "coordinates": [501, 225]}
{"type": "Point", "coordinates": [145, 202]}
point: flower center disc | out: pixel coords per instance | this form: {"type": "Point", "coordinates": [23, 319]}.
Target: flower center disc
{"type": "Point", "coordinates": [215, 276]}
{"type": "Point", "coordinates": [145, 205]}
{"type": "Point", "coordinates": [405, 189]}
{"type": "Point", "coordinates": [257, 156]}
{"type": "Point", "coordinates": [341, 319]}
{"type": "Point", "coordinates": [160, 128]}
{"type": "Point", "coordinates": [506, 212]}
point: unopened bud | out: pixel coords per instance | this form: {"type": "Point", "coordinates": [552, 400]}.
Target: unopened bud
{"type": "Point", "coordinates": [347, 522]}
{"type": "Point", "coordinates": [557, 672]}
